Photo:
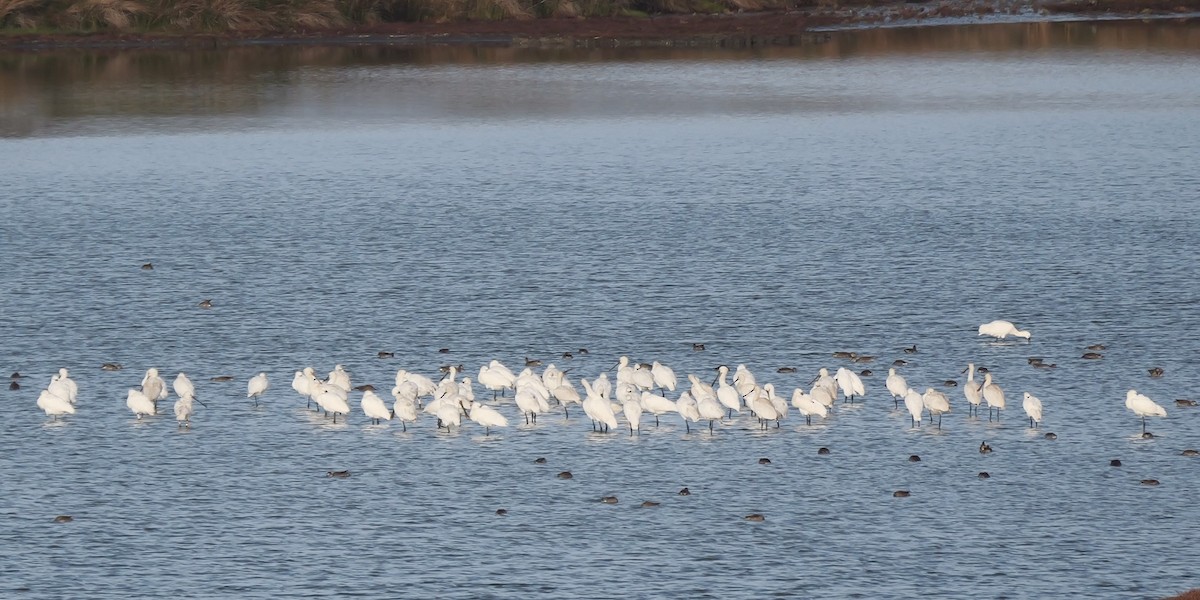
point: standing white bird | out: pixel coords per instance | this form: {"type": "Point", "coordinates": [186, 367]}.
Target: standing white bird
{"type": "Point", "coordinates": [529, 403]}
{"type": "Point", "coordinates": [657, 405]}
{"type": "Point", "coordinates": [495, 380]}
{"type": "Point", "coordinates": [139, 403]}
{"type": "Point", "coordinates": [710, 409]}
{"type": "Point", "coordinates": [54, 405]}
{"type": "Point", "coordinates": [687, 407]}
{"type": "Point", "coordinates": [664, 377]}
{"type": "Point", "coordinates": [597, 407]}
{"type": "Point", "coordinates": [487, 417]}
{"type": "Point", "coordinates": [1001, 329]}
{"type": "Point", "coordinates": [184, 409]}
{"type": "Point", "coordinates": [643, 378]}
{"type": "Point", "coordinates": [825, 380]}
{"type": "Point", "coordinates": [405, 408]}
{"type": "Point", "coordinates": [449, 414]}
{"type": "Point", "coordinates": [850, 384]}
{"type": "Point", "coordinates": [632, 409]}
{"type": "Point", "coordinates": [63, 386]}
{"type": "Point", "coordinates": [897, 386]}
{"type": "Point", "coordinates": [727, 395]}
{"type": "Point", "coordinates": [743, 380]}
{"type": "Point", "coordinates": [153, 386]}
{"type": "Point", "coordinates": [333, 400]}
{"type": "Point", "coordinates": [1033, 408]}
{"type": "Point", "coordinates": [993, 395]}
{"type": "Point", "coordinates": [759, 403]}
{"type": "Point", "coordinates": [300, 384]}
{"type": "Point", "coordinates": [973, 393]}
{"type": "Point", "coordinates": [183, 386]}
{"type": "Point", "coordinates": [1143, 407]}
{"type": "Point", "coordinates": [602, 386]}
{"type": "Point", "coordinates": [808, 406]}
{"type": "Point", "coordinates": [566, 394]}
{"type": "Point", "coordinates": [915, 405]}
{"type": "Point", "coordinates": [936, 403]}
{"type": "Point", "coordinates": [339, 377]}
{"type": "Point", "coordinates": [257, 387]}
{"type": "Point", "coordinates": [374, 407]}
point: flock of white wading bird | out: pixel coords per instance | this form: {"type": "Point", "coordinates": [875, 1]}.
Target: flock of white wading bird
{"type": "Point", "coordinates": [632, 395]}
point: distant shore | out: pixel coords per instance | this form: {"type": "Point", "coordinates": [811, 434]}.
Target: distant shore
{"type": "Point", "coordinates": [727, 29]}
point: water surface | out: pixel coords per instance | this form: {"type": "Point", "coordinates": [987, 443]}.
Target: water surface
{"type": "Point", "coordinates": [889, 188]}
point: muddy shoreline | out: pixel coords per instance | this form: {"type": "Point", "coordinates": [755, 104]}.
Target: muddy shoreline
{"type": "Point", "coordinates": [739, 30]}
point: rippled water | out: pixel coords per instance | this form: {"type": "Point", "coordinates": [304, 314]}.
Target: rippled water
{"type": "Point", "coordinates": [776, 205]}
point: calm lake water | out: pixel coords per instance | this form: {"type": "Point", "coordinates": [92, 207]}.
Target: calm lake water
{"type": "Point", "coordinates": [887, 188]}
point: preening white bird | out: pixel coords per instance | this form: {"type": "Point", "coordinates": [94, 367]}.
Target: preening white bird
{"type": "Point", "coordinates": [727, 395]}
{"type": "Point", "coordinates": [743, 380]}
{"type": "Point", "coordinates": [808, 406]}
{"type": "Point", "coordinates": [710, 409]}
{"type": "Point", "coordinates": [139, 403]}
{"type": "Point", "coordinates": [183, 386]}
{"type": "Point", "coordinates": [915, 405]}
{"type": "Point", "coordinates": [633, 414]}
{"type": "Point", "coordinates": [973, 392]}
{"type": "Point", "coordinates": [643, 378]}
{"type": "Point", "coordinates": [850, 384]}
{"type": "Point", "coordinates": [552, 377]}
{"type": "Point", "coordinates": [1143, 407]}
{"type": "Point", "coordinates": [486, 416]}
{"type": "Point", "coordinates": [688, 409]}
{"type": "Point", "coordinates": [184, 409]}
{"type": "Point", "coordinates": [449, 414]}
{"type": "Point", "coordinates": [602, 386]}
{"type": "Point", "coordinates": [495, 380]}
{"type": "Point", "coordinates": [760, 404]}
{"type": "Point", "coordinates": [664, 376]}
{"type": "Point", "coordinates": [699, 388]}
{"type": "Point", "coordinates": [54, 405]}
{"type": "Point", "coordinates": [332, 399]}
{"type": "Point", "coordinates": [821, 394]}
{"type": "Point", "coordinates": [425, 385]}
{"type": "Point", "coordinates": [657, 405]}
{"type": "Point", "coordinates": [936, 403]}
{"type": "Point", "coordinates": [598, 408]}
{"type": "Point", "coordinates": [153, 386]}
{"type": "Point", "coordinates": [624, 371]}
{"type": "Point", "coordinates": [993, 395]}
{"type": "Point", "coordinates": [825, 380]}
{"type": "Point", "coordinates": [529, 403]}
{"type": "Point", "coordinates": [300, 384]}
{"type": "Point", "coordinates": [374, 407]}
{"type": "Point", "coordinates": [258, 386]}
{"type": "Point", "coordinates": [63, 386]}
{"type": "Point", "coordinates": [405, 409]}
{"type": "Point", "coordinates": [1033, 408]}
{"type": "Point", "coordinates": [781, 405]}
{"type": "Point", "coordinates": [1001, 329]}
{"type": "Point", "coordinates": [339, 377]}
{"type": "Point", "coordinates": [897, 386]}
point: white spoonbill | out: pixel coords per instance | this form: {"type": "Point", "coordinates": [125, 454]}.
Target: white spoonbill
{"type": "Point", "coordinates": [153, 386]}
{"type": "Point", "coordinates": [339, 377]}
{"type": "Point", "coordinates": [566, 394]}
{"type": "Point", "coordinates": [449, 414]}
{"type": "Point", "coordinates": [781, 405]}
{"type": "Point", "coordinates": [598, 408]}
{"type": "Point", "coordinates": [711, 409]}
{"type": "Point", "coordinates": [139, 403]}
{"type": "Point", "coordinates": [657, 405]}
{"type": "Point", "coordinates": [602, 386]}
{"type": "Point", "coordinates": [529, 404]}
{"type": "Point", "coordinates": [973, 393]}
{"type": "Point", "coordinates": [643, 378]}
{"type": "Point", "coordinates": [374, 407]}
{"type": "Point", "coordinates": [300, 384]}
{"type": "Point", "coordinates": [1001, 329]}
{"type": "Point", "coordinates": [183, 385]}
{"type": "Point", "coordinates": [333, 400]}
{"type": "Point", "coordinates": [258, 386]}
{"type": "Point", "coordinates": [63, 386]}
{"type": "Point", "coordinates": [727, 395]}
{"type": "Point", "coordinates": [664, 376]}
{"type": "Point", "coordinates": [633, 413]}
{"type": "Point", "coordinates": [552, 377]}
{"type": "Point", "coordinates": [54, 405]}
{"type": "Point", "coordinates": [486, 416]}
{"type": "Point", "coordinates": [993, 395]}
{"type": "Point", "coordinates": [825, 380]}
{"type": "Point", "coordinates": [897, 386]}
{"type": "Point", "coordinates": [936, 403]}
{"type": "Point", "coordinates": [915, 405]}
{"type": "Point", "coordinates": [808, 406]}
{"type": "Point", "coordinates": [405, 409]}
{"type": "Point", "coordinates": [688, 409]}
{"type": "Point", "coordinates": [184, 409]}
{"type": "Point", "coordinates": [1143, 407]}
{"type": "Point", "coordinates": [495, 380]}
{"type": "Point", "coordinates": [760, 404]}
{"type": "Point", "coordinates": [743, 380]}
{"type": "Point", "coordinates": [850, 384]}
{"type": "Point", "coordinates": [1033, 408]}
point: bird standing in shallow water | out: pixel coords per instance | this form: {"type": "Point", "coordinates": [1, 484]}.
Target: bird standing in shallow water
{"type": "Point", "coordinates": [257, 387]}
{"type": "Point", "coordinates": [1033, 408]}
{"type": "Point", "coordinates": [1143, 407]}
{"type": "Point", "coordinates": [993, 395]}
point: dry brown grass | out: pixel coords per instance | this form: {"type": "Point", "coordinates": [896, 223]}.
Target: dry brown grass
{"type": "Point", "coordinates": [1188, 595]}
{"type": "Point", "coordinates": [100, 14]}
{"type": "Point", "coordinates": [19, 13]}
